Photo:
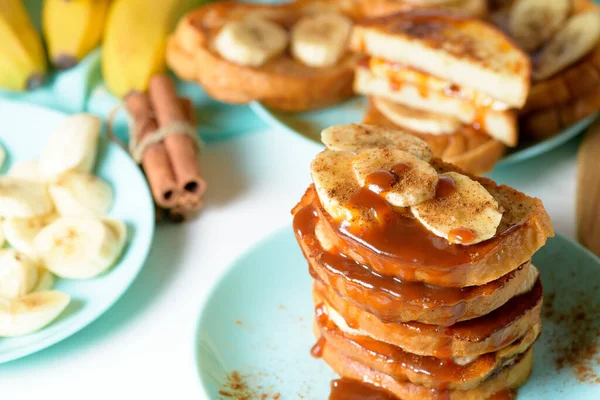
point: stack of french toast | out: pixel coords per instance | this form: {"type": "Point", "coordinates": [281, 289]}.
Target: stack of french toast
{"type": "Point", "coordinates": [455, 82]}
{"type": "Point", "coordinates": [423, 282]}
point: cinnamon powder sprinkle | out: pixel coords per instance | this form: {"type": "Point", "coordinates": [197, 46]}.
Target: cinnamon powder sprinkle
{"type": "Point", "coordinates": [237, 387]}
{"type": "Point", "coordinates": [581, 351]}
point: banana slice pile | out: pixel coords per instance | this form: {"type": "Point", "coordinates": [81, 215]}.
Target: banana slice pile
{"type": "Point", "coordinates": [53, 218]}
{"type": "Point", "coordinates": [317, 40]}
{"type": "Point", "coordinates": [395, 166]}
{"type": "Point", "coordinates": [556, 38]}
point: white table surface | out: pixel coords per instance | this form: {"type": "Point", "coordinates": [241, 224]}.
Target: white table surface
{"type": "Point", "coordinates": [143, 348]}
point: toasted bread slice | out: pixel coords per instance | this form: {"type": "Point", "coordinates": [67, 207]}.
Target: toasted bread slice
{"type": "Point", "coordinates": [485, 334]}
{"type": "Point", "coordinates": [391, 300]}
{"type": "Point", "coordinates": [464, 51]}
{"type": "Point", "coordinates": [546, 123]}
{"type": "Point", "coordinates": [568, 86]}
{"type": "Point", "coordinates": [524, 228]}
{"type": "Point", "coordinates": [431, 372]}
{"type": "Point", "coordinates": [282, 83]}
{"type": "Point", "coordinates": [510, 377]}
{"type": "Point", "coordinates": [469, 150]}
{"type": "Point", "coordinates": [499, 124]}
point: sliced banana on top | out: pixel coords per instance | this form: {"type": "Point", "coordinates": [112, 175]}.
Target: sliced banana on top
{"type": "Point", "coordinates": [18, 274]}
{"type": "Point", "coordinates": [31, 312]}
{"type": "Point", "coordinates": [462, 211]}
{"type": "Point", "coordinates": [320, 40]}
{"type": "Point", "coordinates": [577, 38]}
{"type": "Point", "coordinates": [21, 198]}
{"type": "Point", "coordinates": [334, 181]}
{"type": "Point", "coordinates": [72, 147]}
{"type": "Point", "coordinates": [77, 193]}
{"type": "Point", "coordinates": [532, 22]}
{"type": "Point", "coordinates": [401, 178]}
{"type": "Point", "coordinates": [359, 137]}
{"type": "Point", "coordinates": [21, 232]}
{"type": "Point", "coordinates": [29, 170]}
{"type": "Point", "coordinates": [417, 120]}
{"type": "Point", "coordinates": [251, 41]}
{"type": "Point", "coordinates": [80, 247]}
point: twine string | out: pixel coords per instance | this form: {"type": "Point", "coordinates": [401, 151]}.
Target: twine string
{"type": "Point", "coordinates": [137, 147]}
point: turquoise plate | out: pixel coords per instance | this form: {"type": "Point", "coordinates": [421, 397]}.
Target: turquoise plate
{"type": "Point", "coordinates": [23, 132]}
{"type": "Point", "coordinates": [310, 125]}
{"type": "Point", "coordinates": [257, 321]}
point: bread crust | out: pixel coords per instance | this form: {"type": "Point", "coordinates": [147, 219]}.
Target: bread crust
{"type": "Point", "coordinates": [510, 377]}
{"type": "Point", "coordinates": [282, 83]}
{"type": "Point", "coordinates": [468, 150]}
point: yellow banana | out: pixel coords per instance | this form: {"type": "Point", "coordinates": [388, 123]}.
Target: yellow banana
{"type": "Point", "coordinates": [22, 58]}
{"type": "Point", "coordinates": [135, 39]}
{"type": "Point", "coordinates": [72, 28]}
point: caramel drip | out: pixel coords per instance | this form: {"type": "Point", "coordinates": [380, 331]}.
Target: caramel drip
{"type": "Point", "coordinates": [348, 389]}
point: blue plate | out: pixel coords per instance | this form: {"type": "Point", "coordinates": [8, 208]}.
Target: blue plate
{"type": "Point", "coordinates": [258, 321]}
{"type": "Point", "coordinates": [310, 125]}
{"type": "Point", "coordinates": [24, 130]}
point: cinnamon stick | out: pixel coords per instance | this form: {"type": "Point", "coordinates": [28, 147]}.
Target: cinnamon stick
{"type": "Point", "coordinates": [155, 160]}
{"type": "Point", "coordinates": [181, 149]}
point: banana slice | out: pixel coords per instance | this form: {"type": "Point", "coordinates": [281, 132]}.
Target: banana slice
{"type": "Point", "coordinates": [45, 281]}
{"type": "Point", "coordinates": [359, 137]}
{"type": "Point", "coordinates": [462, 211]}
{"type": "Point", "coordinates": [251, 41]}
{"type": "Point", "coordinates": [77, 193]}
{"type": "Point", "coordinates": [28, 170]}
{"type": "Point", "coordinates": [401, 178]}
{"type": "Point", "coordinates": [334, 181]}
{"type": "Point", "coordinates": [18, 274]}
{"type": "Point", "coordinates": [320, 40]}
{"type": "Point", "coordinates": [21, 232]}
{"type": "Point", "coordinates": [31, 312]}
{"type": "Point", "coordinates": [2, 235]}
{"type": "Point", "coordinates": [577, 38]}
{"type": "Point", "coordinates": [80, 247]}
{"type": "Point", "coordinates": [532, 22]}
{"type": "Point", "coordinates": [21, 198]}
{"type": "Point", "coordinates": [72, 147]}
{"type": "Point", "coordinates": [417, 120]}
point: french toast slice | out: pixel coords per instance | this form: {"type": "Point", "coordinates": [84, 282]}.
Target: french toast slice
{"type": "Point", "coordinates": [464, 51]}
{"type": "Point", "coordinates": [427, 371]}
{"type": "Point", "coordinates": [508, 378]}
{"type": "Point", "coordinates": [469, 150]}
{"type": "Point", "coordinates": [485, 334]}
{"type": "Point", "coordinates": [499, 124]}
{"type": "Point", "coordinates": [543, 124]}
{"type": "Point", "coordinates": [523, 229]}
{"type": "Point", "coordinates": [283, 83]}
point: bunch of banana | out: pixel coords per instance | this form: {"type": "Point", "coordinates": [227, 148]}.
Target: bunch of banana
{"type": "Point", "coordinates": [22, 58]}
{"type": "Point", "coordinates": [72, 28]}
{"type": "Point", "coordinates": [53, 220]}
{"type": "Point", "coordinates": [135, 40]}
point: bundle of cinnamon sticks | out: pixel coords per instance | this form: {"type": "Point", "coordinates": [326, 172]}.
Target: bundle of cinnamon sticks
{"type": "Point", "coordinates": [171, 164]}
